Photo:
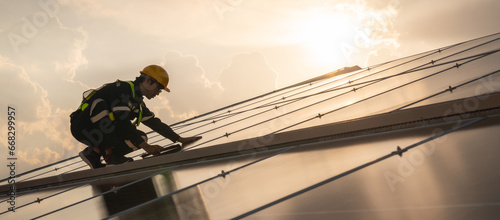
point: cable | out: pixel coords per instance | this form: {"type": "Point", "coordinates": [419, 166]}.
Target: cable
{"type": "Point", "coordinates": [46, 172]}
{"type": "Point", "coordinates": [40, 168]}
{"type": "Point", "coordinates": [150, 132]}
{"type": "Point", "coordinates": [223, 174]}
{"type": "Point", "coordinates": [450, 89]}
{"type": "Point", "coordinates": [465, 62]}
{"type": "Point", "coordinates": [248, 100]}
{"type": "Point", "coordinates": [38, 200]}
{"type": "Point", "coordinates": [299, 145]}
{"type": "Point", "coordinates": [376, 95]}
{"type": "Point", "coordinates": [81, 185]}
{"type": "Point", "coordinates": [418, 68]}
{"type": "Point", "coordinates": [109, 191]}
{"type": "Point", "coordinates": [324, 100]}
{"type": "Point", "coordinates": [398, 152]}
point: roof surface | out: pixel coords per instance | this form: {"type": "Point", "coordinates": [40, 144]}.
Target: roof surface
{"type": "Point", "coordinates": [410, 138]}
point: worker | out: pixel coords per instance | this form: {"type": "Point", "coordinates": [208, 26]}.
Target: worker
{"type": "Point", "coordinates": [103, 121]}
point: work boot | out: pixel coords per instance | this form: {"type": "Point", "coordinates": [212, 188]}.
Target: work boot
{"type": "Point", "coordinates": [115, 159]}
{"type": "Point", "coordinates": [92, 158]}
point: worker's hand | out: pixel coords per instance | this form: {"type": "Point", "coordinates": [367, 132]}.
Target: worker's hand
{"type": "Point", "coordinates": [151, 149]}
{"type": "Point", "coordinates": [188, 140]}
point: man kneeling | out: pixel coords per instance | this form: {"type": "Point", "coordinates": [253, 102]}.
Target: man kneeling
{"type": "Point", "coordinates": [103, 121]}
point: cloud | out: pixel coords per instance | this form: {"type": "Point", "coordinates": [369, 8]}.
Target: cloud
{"type": "Point", "coordinates": [22, 92]}
{"type": "Point", "coordinates": [374, 31]}
{"type": "Point", "coordinates": [191, 92]}
{"type": "Point", "coordinates": [42, 132]}
{"type": "Point", "coordinates": [247, 76]}
{"type": "Point", "coordinates": [40, 80]}
{"type": "Point", "coordinates": [211, 50]}
{"type": "Point", "coordinates": [444, 24]}
{"type": "Point", "coordinates": [167, 19]}
{"type": "Point", "coordinates": [38, 156]}
{"type": "Point", "coordinates": [50, 56]}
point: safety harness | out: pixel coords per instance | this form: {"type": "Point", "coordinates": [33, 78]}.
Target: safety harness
{"type": "Point", "coordinates": [85, 103]}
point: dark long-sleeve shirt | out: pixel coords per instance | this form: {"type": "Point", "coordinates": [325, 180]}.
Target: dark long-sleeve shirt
{"type": "Point", "coordinates": [125, 105]}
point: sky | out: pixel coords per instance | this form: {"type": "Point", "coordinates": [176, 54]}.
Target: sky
{"type": "Point", "coordinates": [216, 52]}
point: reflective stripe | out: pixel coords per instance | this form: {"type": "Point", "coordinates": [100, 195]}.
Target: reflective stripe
{"type": "Point", "coordinates": [102, 114]}
{"type": "Point", "coordinates": [121, 108]}
{"type": "Point", "coordinates": [129, 144]}
{"type": "Point", "coordinates": [147, 118]}
{"type": "Point", "coordinates": [94, 103]}
{"type": "Point", "coordinates": [99, 116]}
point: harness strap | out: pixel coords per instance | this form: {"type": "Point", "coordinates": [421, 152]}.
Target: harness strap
{"type": "Point", "coordinates": [138, 121]}
{"type": "Point", "coordinates": [84, 104]}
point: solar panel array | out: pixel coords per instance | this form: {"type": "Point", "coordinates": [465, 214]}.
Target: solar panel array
{"type": "Point", "coordinates": [276, 183]}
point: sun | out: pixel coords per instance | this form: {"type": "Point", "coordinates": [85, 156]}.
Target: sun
{"type": "Point", "coordinates": [322, 31]}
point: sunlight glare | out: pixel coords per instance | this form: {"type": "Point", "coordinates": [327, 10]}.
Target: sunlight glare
{"type": "Point", "coordinates": [323, 31]}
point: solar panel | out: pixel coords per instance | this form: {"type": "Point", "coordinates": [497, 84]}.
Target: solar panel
{"type": "Point", "coordinates": [313, 149]}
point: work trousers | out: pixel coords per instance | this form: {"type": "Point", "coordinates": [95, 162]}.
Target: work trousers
{"type": "Point", "coordinates": [85, 132]}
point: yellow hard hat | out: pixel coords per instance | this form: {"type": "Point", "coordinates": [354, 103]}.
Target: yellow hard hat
{"type": "Point", "coordinates": [158, 73]}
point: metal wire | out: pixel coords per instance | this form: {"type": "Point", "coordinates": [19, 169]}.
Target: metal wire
{"type": "Point", "coordinates": [222, 115]}
{"type": "Point", "coordinates": [394, 153]}
{"type": "Point", "coordinates": [450, 89]}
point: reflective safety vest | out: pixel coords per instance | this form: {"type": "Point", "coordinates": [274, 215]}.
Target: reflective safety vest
{"type": "Point", "coordinates": [91, 92]}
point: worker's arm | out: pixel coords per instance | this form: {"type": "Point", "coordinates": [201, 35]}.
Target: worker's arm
{"type": "Point", "coordinates": [157, 125]}
{"type": "Point", "coordinates": [188, 140]}
{"type": "Point", "coordinates": [163, 129]}
{"type": "Point", "coordinates": [151, 149]}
